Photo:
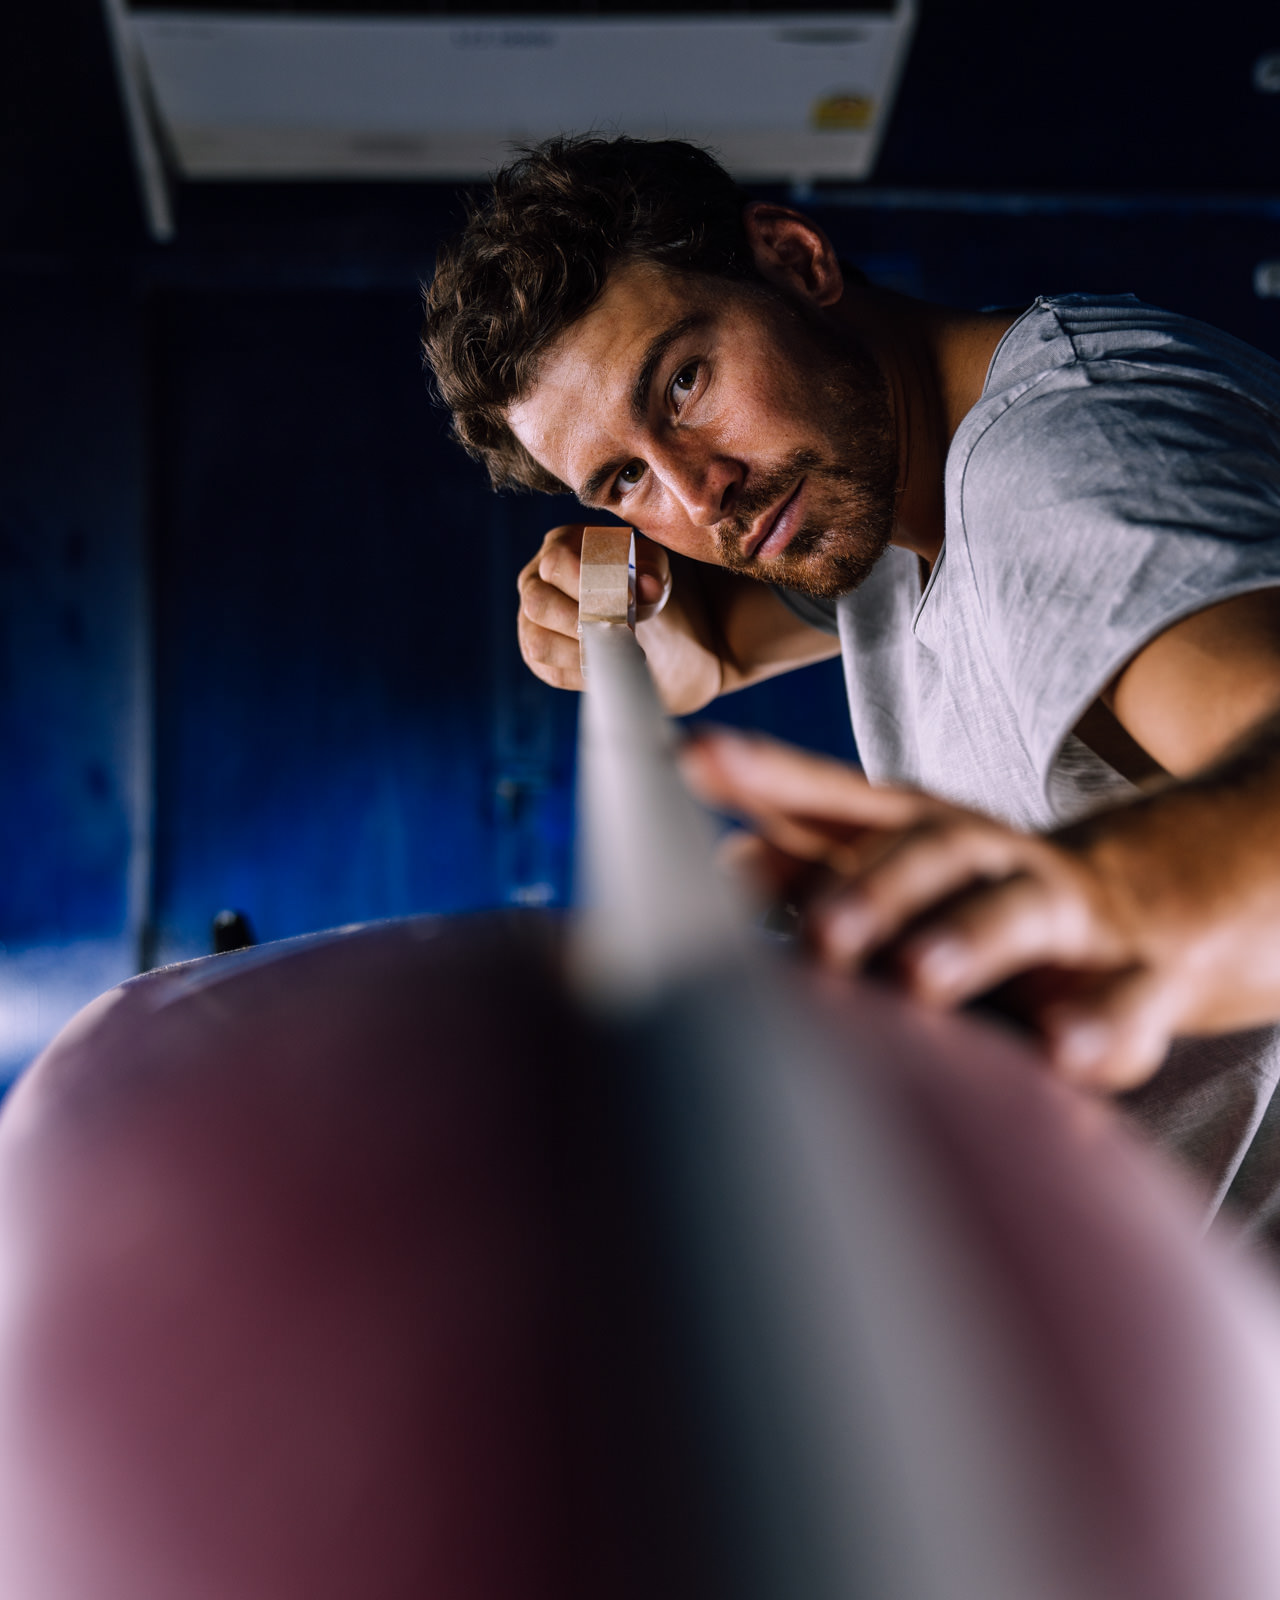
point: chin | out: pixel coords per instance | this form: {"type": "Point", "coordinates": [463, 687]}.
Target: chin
{"type": "Point", "coordinates": [833, 566]}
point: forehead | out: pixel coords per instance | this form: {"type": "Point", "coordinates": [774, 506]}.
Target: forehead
{"type": "Point", "coordinates": [637, 300]}
{"type": "Point", "coordinates": [582, 385]}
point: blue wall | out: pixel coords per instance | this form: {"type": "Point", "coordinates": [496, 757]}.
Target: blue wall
{"type": "Point", "coordinates": [73, 723]}
{"type": "Point", "coordinates": [340, 724]}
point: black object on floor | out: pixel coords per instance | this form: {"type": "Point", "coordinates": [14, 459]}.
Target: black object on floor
{"type": "Point", "coordinates": [232, 930]}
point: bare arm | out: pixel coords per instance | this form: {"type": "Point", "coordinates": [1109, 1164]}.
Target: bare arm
{"type": "Point", "coordinates": [1156, 918]}
{"type": "Point", "coordinates": [705, 631]}
{"type": "Point", "coordinates": [1193, 692]}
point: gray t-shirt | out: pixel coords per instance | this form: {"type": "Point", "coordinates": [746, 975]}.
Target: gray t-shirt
{"type": "Point", "coordinates": [1120, 471]}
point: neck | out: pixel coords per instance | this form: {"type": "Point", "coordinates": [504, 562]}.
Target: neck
{"type": "Point", "coordinates": [935, 361]}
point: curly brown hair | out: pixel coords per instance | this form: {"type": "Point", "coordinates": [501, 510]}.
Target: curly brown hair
{"type": "Point", "coordinates": [534, 255]}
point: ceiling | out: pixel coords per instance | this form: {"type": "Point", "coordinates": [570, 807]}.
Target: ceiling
{"type": "Point", "coordinates": [997, 96]}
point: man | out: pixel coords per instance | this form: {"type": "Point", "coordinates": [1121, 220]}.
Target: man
{"type": "Point", "coordinates": [1046, 541]}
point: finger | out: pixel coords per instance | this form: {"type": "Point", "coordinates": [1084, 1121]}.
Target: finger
{"type": "Point", "coordinates": [568, 537]}
{"type": "Point", "coordinates": [559, 562]}
{"type": "Point", "coordinates": [995, 931]}
{"type": "Point", "coordinates": [753, 774]}
{"type": "Point", "coordinates": [748, 856]}
{"type": "Point", "coordinates": [550, 608]}
{"type": "Point", "coordinates": [653, 578]}
{"type": "Point", "coordinates": [923, 866]}
{"type": "Point", "coordinates": [1117, 1038]}
{"type": "Point", "coordinates": [843, 849]}
{"type": "Point", "coordinates": [553, 657]}
{"type": "Point", "coordinates": [836, 844]}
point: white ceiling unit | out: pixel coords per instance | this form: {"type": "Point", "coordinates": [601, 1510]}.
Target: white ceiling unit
{"type": "Point", "coordinates": [215, 95]}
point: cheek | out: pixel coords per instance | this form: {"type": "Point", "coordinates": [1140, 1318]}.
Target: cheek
{"type": "Point", "coordinates": [668, 526]}
{"type": "Point", "coordinates": [752, 424]}
{"type": "Point", "coordinates": [768, 410]}
{"type": "Point", "coordinates": [686, 540]}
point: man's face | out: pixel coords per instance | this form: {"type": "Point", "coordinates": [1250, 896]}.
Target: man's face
{"type": "Point", "coordinates": [722, 422]}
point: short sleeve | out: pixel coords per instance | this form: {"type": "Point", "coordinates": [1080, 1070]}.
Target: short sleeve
{"type": "Point", "coordinates": [1100, 508]}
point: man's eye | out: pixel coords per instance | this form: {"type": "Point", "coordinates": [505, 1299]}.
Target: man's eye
{"type": "Point", "coordinates": [631, 474]}
{"type": "Point", "coordinates": [684, 380]}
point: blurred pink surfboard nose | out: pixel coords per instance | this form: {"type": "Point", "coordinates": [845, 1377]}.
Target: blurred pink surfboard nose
{"type": "Point", "coordinates": [369, 1265]}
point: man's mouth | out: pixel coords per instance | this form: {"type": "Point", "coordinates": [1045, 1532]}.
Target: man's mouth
{"type": "Point", "coordinates": [777, 529]}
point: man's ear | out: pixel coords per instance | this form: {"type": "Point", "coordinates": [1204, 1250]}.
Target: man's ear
{"type": "Point", "coordinates": [793, 253]}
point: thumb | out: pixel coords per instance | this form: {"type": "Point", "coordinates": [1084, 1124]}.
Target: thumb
{"type": "Point", "coordinates": [1117, 1038]}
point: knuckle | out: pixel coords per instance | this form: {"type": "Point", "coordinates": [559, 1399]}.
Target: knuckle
{"type": "Point", "coordinates": [557, 571]}
{"type": "Point", "coordinates": [1069, 917]}
{"type": "Point", "coordinates": [537, 644]}
{"type": "Point", "coordinates": [1022, 918]}
{"type": "Point", "coordinates": [929, 857]}
{"type": "Point", "coordinates": [533, 605]}
{"type": "Point", "coordinates": [527, 632]}
{"type": "Point", "coordinates": [563, 541]}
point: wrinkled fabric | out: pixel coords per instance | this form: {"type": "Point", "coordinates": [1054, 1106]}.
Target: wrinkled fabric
{"type": "Point", "coordinates": [1121, 471]}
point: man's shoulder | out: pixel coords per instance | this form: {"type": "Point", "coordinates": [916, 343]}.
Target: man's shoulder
{"type": "Point", "coordinates": [1133, 441]}
{"type": "Point", "coordinates": [1087, 339]}
{"type": "Point", "coordinates": [1091, 397]}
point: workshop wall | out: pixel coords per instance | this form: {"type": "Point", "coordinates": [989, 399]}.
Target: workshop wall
{"type": "Point", "coordinates": [256, 612]}
{"type": "Point", "coordinates": [73, 741]}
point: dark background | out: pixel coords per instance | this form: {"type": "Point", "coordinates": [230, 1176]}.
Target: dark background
{"type": "Point", "coordinates": [256, 612]}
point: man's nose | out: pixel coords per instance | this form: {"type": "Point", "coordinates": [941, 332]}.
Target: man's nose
{"type": "Point", "coordinates": [705, 483]}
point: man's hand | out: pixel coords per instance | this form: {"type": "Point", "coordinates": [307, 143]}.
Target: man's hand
{"type": "Point", "coordinates": [1159, 918]}
{"type": "Point", "coordinates": [704, 631]}
{"type": "Point", "coordinates": [548, 617]}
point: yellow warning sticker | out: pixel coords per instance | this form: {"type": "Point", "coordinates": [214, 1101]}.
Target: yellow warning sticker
{"type": "Point", "coordinates": [840, 113]}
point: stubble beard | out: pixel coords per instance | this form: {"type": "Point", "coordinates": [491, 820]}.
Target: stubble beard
{"type": "Point", "coordinates": [851, 486]}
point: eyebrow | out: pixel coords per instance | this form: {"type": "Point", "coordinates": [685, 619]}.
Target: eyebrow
{"type": "Point", "coordinates": [639, 403]}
